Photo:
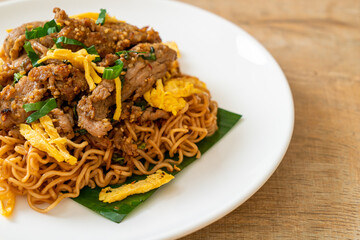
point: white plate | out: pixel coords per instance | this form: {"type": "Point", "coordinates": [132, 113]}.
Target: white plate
{"type": "Point", "coordinates": [241, 75]}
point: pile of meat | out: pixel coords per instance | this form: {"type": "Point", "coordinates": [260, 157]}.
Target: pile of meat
{"type": "Point", "coordinates": [78, 108]}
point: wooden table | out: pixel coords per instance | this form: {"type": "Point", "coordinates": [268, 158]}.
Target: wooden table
{"type": "Point", "coordinates": [315, 193]}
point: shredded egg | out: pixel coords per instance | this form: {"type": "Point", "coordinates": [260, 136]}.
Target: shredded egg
{"type": "Point", "coordinates": [80, 59]}
{"type": "Point", "coordinates": [95, 16]}
{"type": "Point", "coordinates": [117, 113]}
{"type": "Point", "coordinates": [44, 137]}
{"type": "Point", "coordinates": [151, 182]}
{"type": "Point", "coordinates": [7, 203]}
{"type": "Point", "coordinates": [170, 95]}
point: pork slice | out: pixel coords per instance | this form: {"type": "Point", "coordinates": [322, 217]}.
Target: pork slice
{"type": "Point", "coordinates": [14, 42]}
{"type": "Point", "coordinates": [38, 47]}
{"type": "Point", "coordinates": [142, 74]}
{"type": "Point", "coordinates": [63, 123]}
{"type": "Point", "coordinates": [15, 55]}
{"type": "Point", "coordinates": [6, 75]}
{"type": "Point", "coordinates": [8, 69]}
{"type": "Point", "coordinates": [22, 63]}
{"type": "Point", "coordinates": [64, 81]}
{"type": "Point", "coordinates": [12, 98]}
{"type": "Point", "coordinates": [93, 110]}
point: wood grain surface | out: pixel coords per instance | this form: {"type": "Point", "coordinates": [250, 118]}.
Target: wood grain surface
{"type": "Point", "coordinates": [315, 193]}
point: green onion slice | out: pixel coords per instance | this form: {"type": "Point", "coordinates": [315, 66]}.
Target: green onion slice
{"type": "Point", "coordinates": [69, 41]}
{"type": "Point", "coordinates": [102, 16]}
{"type": "Point", "coordinates": [92, 50]}
{"type": "Point", "coordinates": [117, 158]}
{"type": "Point", "coordinates": [31, 54]}
{"type": "Point", "coordinates": [42, 108]}
{"type": "Point", "coordinates": [17, 77]}
{"type": "Point", "coordinates": [75, 113]}
{"type": "Point", "coordinates": [125, 53]}
{"type": "Point", "coordinates": [142, 146]}
{"type": "Point", "coordinates": [48, 28]}
{"type": "Point", "coordinates": [33, 106]}
{"type": "Point", "coordinates": [151, 56]}
{"type": "Point", "coordinates": [114, 71]}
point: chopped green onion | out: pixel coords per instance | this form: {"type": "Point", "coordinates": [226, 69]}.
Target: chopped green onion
{"type": "Point", "coordinates": [126, 54]}
{"type": "Point", "coordinates": [35, 33]}
{"type": "Point", "coordinates": [31, 54]}
{"type": "Point", "coordinates": [92, 50]}
{"type": "Point", "coordinates": [52, 27]}
{"type": "Point", "coordinates": [117, 158]}
{"type": "Point", "coordinates": [142, 146]}
{"type": "Point", "coordinates": [48, 28]}
{"type": "Point", "coordinates": [49, 105]}
{"type": "Point", "coordinates": [151, 56]}
{"type": "Point", "coordinates": [17, 77]}
{"type": "Point", "coordinates": [1, 87]}
{"type": "Point", "coordinates": [119, 62]}
{"type": "Point", "coordinates": [113, 72]}
{"type": "Point", "coordinates": [75, 112]}
{"type": "Point", "coordinates": [69, 41]}
{"type": "Point", "coordinates": [102, 16]}
{"type": "Point", "coordinates": [81, 131]}
{"type": "Point", "coordinates": [33, 106]}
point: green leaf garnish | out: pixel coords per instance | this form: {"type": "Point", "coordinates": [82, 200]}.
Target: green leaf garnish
{"type": "Point", "coordinates": [48, 28]}
{"type": "Point", "coordinates": [150, 56]}
{"type": "Point", "coordinates": [75, 113]}
{"type": "Point", "coordinates": [114, 71]}
{"type": "Point", "coordinates": [117, 158]}
{"type": "Point", "coordinates": [142, 146]}
{"type": "Point", "coordinates": [29, 107]}
{"type": "Point", "coordinates": [41, 108]}
{"type": "Point", "coordinates": [31, 54]}
{"type": "Point", "coordinates": [92, 50]}
{"type": "Point", "coordinates": [117, 211]}
{"type": "Point", "coordinates": [17, 77]}
{"type": "Point", "coordinates": [69, 41]}
{"type": "Point", "coordinates": [102, 16]}
{"type": "Point", "coordinates": [125, 53]}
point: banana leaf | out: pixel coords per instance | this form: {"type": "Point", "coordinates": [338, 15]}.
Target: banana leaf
{"type": "Point", "coordinates": [117, 211]}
